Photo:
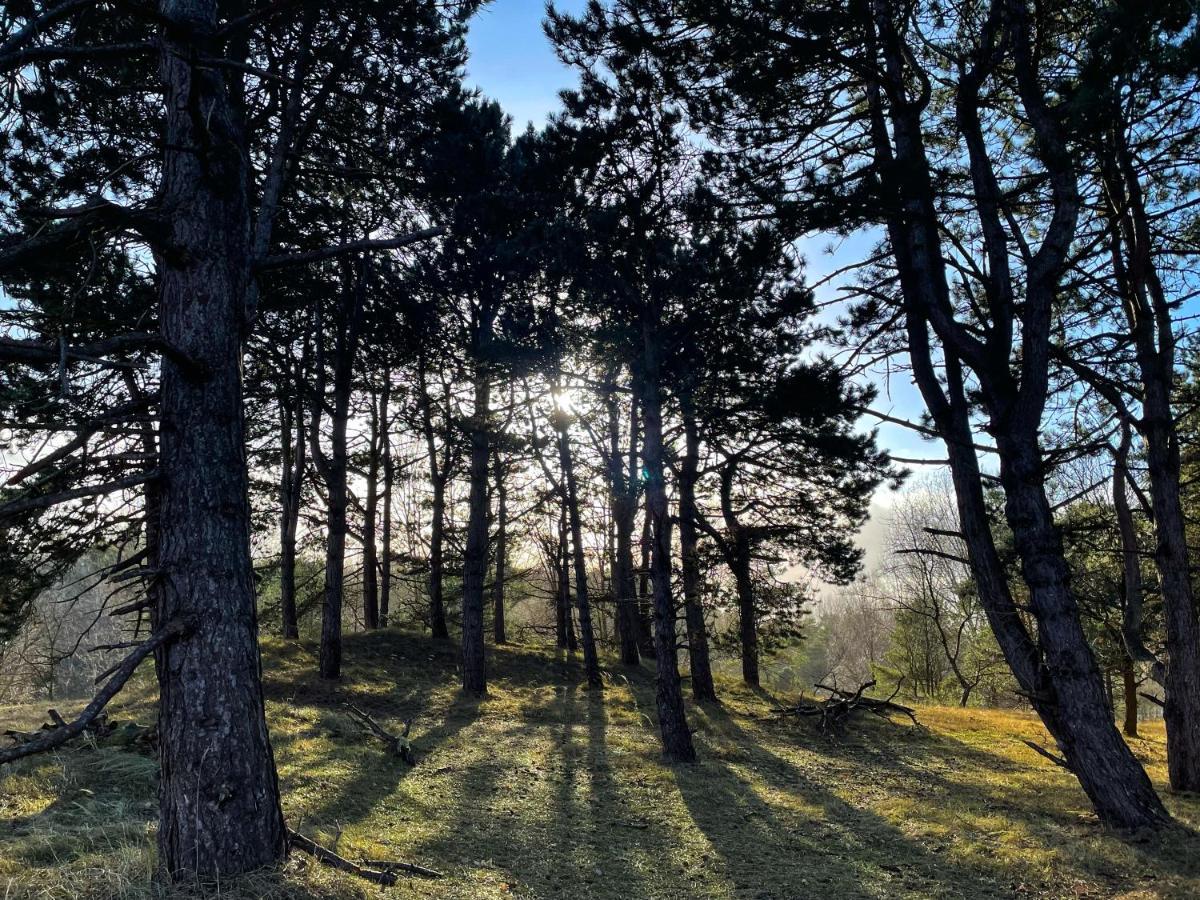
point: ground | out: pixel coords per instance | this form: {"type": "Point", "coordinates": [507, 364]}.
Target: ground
{"type": "Point", "coordinates": [546, 789]}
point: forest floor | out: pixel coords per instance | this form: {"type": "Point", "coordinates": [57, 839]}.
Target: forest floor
{"type": "Point", "coordinates": [544, 789]}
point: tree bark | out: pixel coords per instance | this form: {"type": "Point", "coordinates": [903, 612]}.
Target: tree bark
{"type": "Point", "coordinates": [498, 626]}
{"type": "Point", "coordinates": [1130, 685]}
{"type": "Point", "coordinates": [672, 720]}
{"type": "Point", "coordinates": [291, 484]}
{"type": "Point", "coordinates": [219, 810]}
{"type": "Point", "coordinates": [438, 476]}
{"type": "Point", "coordinates": [475, 561]}
{"type": "Point", "coordinates": [389, 483]}
{"type": "Point", "coordinates": [370, 526]}
{"type": "Point", "coordinates": [703, 687]}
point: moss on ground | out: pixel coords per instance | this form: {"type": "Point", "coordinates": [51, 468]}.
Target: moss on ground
{"type": "Point", "coordinates": [544, 789]}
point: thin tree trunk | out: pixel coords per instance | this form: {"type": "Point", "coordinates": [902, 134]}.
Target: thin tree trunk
{"type": "Point", "coordinates": [389, 483]}
{"type": "Point", "coordinates": [475, 562]}
{"type": "Point", "coordinates": [623, 507]}
{"type": "Point", "coordinates": [438, 478]}
{"type": "Point", "coordinates": [291, 485]}
{"type": "Point", "coordinates": [498, 627]}
{"type": "Point", "coordinates": [219, 810]}
{"type": "Point", "coordinates": [591, 662]}
{"type": "Point", "coordinates": [370, 517]}
{"type": "Point", "coordinates": [703, 687]}
{"type": "Point", "coordinates": [645, 605]}
{"type": "Point", "coordinates": [672, 721]}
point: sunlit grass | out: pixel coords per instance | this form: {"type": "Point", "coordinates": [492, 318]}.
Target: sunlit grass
{"type": "Point", "coordinates": [545, 789]}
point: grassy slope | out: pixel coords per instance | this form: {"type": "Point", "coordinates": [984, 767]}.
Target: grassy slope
{"type": "Point", "coordinates": [544, 789]}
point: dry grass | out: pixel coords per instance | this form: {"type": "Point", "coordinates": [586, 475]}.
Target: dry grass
{"type": "Point", "coordinates": [544, 789]}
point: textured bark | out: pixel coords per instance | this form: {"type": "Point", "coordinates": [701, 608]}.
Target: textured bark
{"type": "Point", "coordinates": [1129, 685]}
{"type": "Point", "coordinates": [219, 812]}
{"type": "Point", "coordinates": [703, 687]}
{"type": "Point", "coordinates": [672, 720]}
{"type": "Point", "coordinates": [498, 627]}
{"type": "Point", "coordinates": [591, 662]}
{"type": "Point", "coordinates": [645, 600]}
{"type": "Point", "coordinates": [475, 556]}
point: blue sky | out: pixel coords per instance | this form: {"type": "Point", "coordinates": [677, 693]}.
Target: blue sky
{"type": "Point", "coordinates": [512, 62]}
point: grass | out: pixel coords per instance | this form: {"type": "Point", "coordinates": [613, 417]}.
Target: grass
{"type": "Point", "coordinates": [544, 789]}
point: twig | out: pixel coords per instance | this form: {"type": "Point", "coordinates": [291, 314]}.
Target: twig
{"type": "Point", "coordinates": [1053, 757]}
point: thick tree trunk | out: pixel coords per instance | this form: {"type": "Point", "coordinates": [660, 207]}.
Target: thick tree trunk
{"type": "Point", "coordinates": [498, 626]}
{"type": "Point", "coordinates": [703, 687]}
{"type": "Point", "coordinates": [591, 662]}
{"type": "Point", "coordinates": [672, 721]}
{"type": "Point", "coordinates": [475, 561]}
{"type": "Point", "coordinates": [369, 533]}
{"type": "Point", "coordinates": [219, 812]}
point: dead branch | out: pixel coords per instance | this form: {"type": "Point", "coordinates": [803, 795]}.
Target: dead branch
{"type": "Point", "coordinates": [395, 866]}
{"type": "Point", "coordinates": [834, 711]}
{"type": "Point", "coordinates": [1155, 700]}
{"type": "Point", "coordinates": [172, 630]}
{"type": "Point", "coordinates": [331, 859]}
{"type": "Point", "coordinates": [1053, 757]}
{"type": "Point", "coordinates": [397, 745]}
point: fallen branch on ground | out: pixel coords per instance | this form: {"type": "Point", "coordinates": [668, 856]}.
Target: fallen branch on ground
{"type": "Point", "coordinates": [833, 711]}
{"type": "Point", "coordinates": [397, 745]}
{"type": "Point", "coordinates": [59, 735]}
{"type": "Point", "coordinates": [385, 873]}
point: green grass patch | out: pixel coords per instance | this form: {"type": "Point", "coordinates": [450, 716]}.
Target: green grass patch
{"type": "Point", "coordinates": [546, 789]}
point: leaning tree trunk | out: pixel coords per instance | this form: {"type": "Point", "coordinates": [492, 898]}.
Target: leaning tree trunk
{"type": "Point", "coordinates": [501, 635]}
{"type": "Point", "coordinates": [703, 687]}
{"type": "Point", "coordinates": [1109, 773]}
{"type": "Point", "coordinates": [475, 556]}
{"type": "Point", "coordinates": [672, 721]}
{"type": "Point", "coordinates": [369, 533]}
{"type": "Point", "coordinates": [219, 812]}
{"type": "Point", "coordinates": [591, 661]}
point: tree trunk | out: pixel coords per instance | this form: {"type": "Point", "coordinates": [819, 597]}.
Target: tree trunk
{"type": "Point", "coordinates": [389, 483]}
{"type": "Point", "coordinates": [645, 604]}
{"type": "Point", "coordinates": [672, 721]}
{"type": "Point", "coordinates": [623, 509]}
{"type": "Point", "coordinates": [437, 478]}
{"type": "Point", "coordinates": [501, 553]}
{"type": "Point", "coordinates": [475, 561]}
{"type": "Point", "coordinates": [291, 484]}
{"type": "Point", "coordinates": [703, 687]}
{"type": "Point", "coordinates": [1129, 682]}
{"type": "Point", "coordinates": [219, 811]}
{"type": "Point", "coordinates": [370, 516]}
{"type": "Point", "coordinates": [591, 662]}
{"type": "Point", "coordinates": [1150, 323]}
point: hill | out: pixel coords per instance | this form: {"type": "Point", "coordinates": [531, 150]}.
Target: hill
{"type": "Point", "coordinates": [544, 789]}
